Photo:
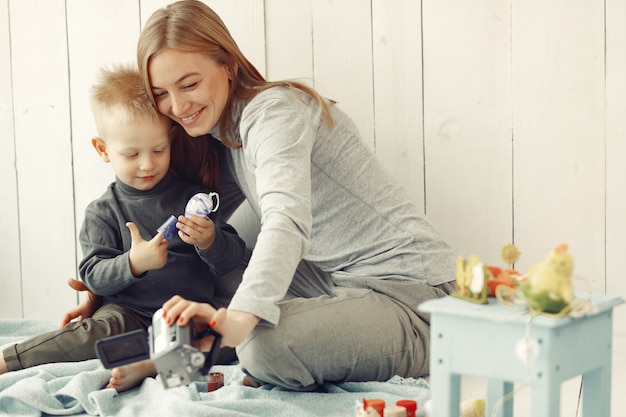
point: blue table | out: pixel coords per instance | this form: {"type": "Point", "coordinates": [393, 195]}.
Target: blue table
{"type": "Point", "coordinates": [485, 340]}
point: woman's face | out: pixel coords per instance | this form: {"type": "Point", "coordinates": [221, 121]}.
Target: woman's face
{"type": "Point", "coordinates": [190, 88]}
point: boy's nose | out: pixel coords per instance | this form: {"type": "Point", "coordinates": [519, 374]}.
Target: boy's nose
{"type": "Point", "coordinates": [146, 163]}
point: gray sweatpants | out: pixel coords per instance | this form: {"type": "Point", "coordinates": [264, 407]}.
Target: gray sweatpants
{"type": "Point", "coordinates": [76, 341]}
{"type": "Point", "coordinates": [355, 334]}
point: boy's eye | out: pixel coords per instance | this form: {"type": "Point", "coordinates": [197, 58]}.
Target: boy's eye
{"type": "Point", "coordinates": [190, 85]}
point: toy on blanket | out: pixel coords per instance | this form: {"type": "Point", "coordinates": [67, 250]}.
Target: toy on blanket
{"type": "Point", "coordinates": [375, 407]}
{"type": "Point", "coordinates": [468, 408]}
{"type": "Point", "coordinates": [368, 408]}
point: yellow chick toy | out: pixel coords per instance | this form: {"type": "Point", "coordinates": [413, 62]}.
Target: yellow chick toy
{"type": "Point", "coordinates": [549, 286]}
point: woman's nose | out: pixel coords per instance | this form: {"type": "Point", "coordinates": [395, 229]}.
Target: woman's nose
{"type": "Point", "coordinates": [179, 105]}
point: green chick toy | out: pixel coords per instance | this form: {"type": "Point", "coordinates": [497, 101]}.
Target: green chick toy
{"type": "Point", "coordinates": [549, 285]}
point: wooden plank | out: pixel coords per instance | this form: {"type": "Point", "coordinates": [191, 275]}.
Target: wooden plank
{"type": "Point", "coordinates": [289, 40]}
{"type": "Point", "coordinates": [397, 71]}
{"type": "Point", "coordinates": [43, 155]}
{"type": "Point", "coordinates": [558, 110]}
{"type": "Point", "coordinates": [615, 152]}
{"type": "Point", "coordinates": [244, 19]}
{"type": "Point", "coordinates": [343, 58]}
{"type": "Point", "coordinates": [467, 123]}
{"type": "Point", "coordinates": [92, 45]}
{"type": "Point", "coordinates": [246, 22]}
{"type": "Point", "coordinates": [10, 269]}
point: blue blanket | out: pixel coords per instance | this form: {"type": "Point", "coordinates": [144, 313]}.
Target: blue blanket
{"type": "Point", "coordinates": [76, 389]}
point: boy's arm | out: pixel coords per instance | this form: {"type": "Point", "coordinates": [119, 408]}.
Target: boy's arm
{"type": "Point", "coordinates": [106, 267]}
{"type": "Point", "coordinates": [227, 251]}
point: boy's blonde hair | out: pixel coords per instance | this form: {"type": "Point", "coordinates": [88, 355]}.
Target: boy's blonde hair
{"type": "Point", "coordinates": [120, 97]}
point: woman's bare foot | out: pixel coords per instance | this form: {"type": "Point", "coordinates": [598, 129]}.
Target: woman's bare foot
{"type": "Point", "coordinates": [126, 377]}
{"type": "Point", "coordinates": [3, 365]}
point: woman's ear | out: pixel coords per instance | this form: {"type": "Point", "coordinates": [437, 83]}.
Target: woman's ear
{"type": "Point", "coordinates": [100, 147]}
{"type": "Point", "coordinates": [233, 71]}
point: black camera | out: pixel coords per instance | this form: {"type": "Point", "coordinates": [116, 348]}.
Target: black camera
{"type": "Point", "coordinates": [176, 360]}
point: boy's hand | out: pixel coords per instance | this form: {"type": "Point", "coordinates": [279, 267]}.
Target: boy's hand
{"type": "Point", "coordinates": [196, 230]}
{"type": "Point", "coordinates": [146, 255]}
{"type": "Point", "coordinates": [89, 304]}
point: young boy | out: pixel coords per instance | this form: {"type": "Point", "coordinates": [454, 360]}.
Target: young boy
{"type": "Point", "coordinates": [134, 276]}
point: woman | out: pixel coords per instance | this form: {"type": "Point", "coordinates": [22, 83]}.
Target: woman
{"type": "Point", "coordinates": [343, 257]}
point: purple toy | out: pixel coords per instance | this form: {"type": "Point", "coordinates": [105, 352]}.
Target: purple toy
{"type": "Point", "coordinates": [168, 229]}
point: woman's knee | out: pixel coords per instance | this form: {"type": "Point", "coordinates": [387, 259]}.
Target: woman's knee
{"type": "Point", "coordinates": [269, 358]}
{"type": "Point", "coordinates": [258, 351]}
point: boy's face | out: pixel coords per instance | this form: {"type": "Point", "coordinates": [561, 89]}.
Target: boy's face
{"type": "Point", "coordinates": [139, 152]}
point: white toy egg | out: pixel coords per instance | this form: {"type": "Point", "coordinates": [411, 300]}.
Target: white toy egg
{"type": "Point", "coordinates": [202, 204]}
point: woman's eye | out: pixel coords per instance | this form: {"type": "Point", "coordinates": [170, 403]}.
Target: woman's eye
{"type": "Point", "coordinates": [158, 95]}
{"type": "Point", "coordinates": [187, 86]}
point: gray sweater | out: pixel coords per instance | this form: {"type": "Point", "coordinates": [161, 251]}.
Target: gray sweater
{"type": "Point", "coordinates": [106, 241]}
{"type": "Point", "coordinates": [322, 196]}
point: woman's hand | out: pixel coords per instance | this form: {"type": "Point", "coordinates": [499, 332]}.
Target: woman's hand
{"type": "Point", "coordinates": [196, 230]}
{"type": "Point", "coordinates": [87, 306]}
{"type": "Point", "coordinates": [234, 326]}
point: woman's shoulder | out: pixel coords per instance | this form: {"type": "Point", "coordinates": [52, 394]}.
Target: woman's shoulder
{"type": "Point", "coordinates": [276, 92]}
{"type": "Point", "coordinates": [279, 105]}
{"type": "Point", "coordinates": [277, 97]}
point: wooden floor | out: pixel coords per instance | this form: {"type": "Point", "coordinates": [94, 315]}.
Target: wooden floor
{"type": "Point", "coordinates": [473, 387]}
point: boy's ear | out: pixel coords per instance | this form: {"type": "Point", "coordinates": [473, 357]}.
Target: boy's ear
{"type": "Point", "coordinates": [100, 147]}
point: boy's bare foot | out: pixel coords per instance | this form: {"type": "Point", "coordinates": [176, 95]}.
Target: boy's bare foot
{"type": "Point", "coordinates": [126, 377]}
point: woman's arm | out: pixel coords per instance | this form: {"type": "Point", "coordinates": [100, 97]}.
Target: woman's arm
{"type": "Point", "coordinates": [234, 326]}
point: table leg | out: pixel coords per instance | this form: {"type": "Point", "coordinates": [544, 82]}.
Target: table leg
{"type": "Point", "coordinates": [545, 395]}
{"type": "Point", "coordinates": [596, 401]}
{"type": "Point", "coordinates": [445, 394]}
{"type": "Point", "coordinates": [496, 390]}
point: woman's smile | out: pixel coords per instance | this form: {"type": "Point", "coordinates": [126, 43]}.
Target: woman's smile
{"type": "Point", "coordinates": [190, 119]}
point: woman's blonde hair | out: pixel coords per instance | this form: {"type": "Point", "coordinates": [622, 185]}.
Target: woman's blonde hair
{"type": "Point", "coordinates": [192, 26]}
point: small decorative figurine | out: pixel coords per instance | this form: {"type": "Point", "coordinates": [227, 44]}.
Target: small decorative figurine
{"type": "Point", "coordinates": [471, 280]}
{"type": "Point", "coordinates": [508, 277]}
{"type": "Point", "coordinates": [549, 286]}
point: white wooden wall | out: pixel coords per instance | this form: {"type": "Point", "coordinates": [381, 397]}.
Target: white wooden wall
{"type": "Point", "coordinates": [503, 118]}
